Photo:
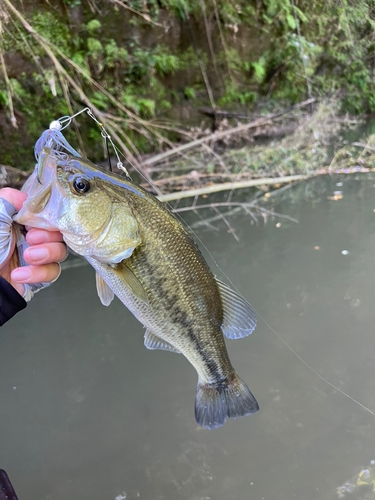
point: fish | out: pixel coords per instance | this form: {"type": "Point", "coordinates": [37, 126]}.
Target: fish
{"type": "Point", "coordinates": [146, 257]}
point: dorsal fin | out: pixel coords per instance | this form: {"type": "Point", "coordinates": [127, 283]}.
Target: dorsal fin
{"type": "Point", "coordinates": [105, 293]}
{"type": "Point", "coordinates": [152, 341]}
{"type": "Point", "coordinates": [239, 318]}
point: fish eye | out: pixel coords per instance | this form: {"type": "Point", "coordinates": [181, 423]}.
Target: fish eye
{"type": "Point", "coordinates": [81, 185]}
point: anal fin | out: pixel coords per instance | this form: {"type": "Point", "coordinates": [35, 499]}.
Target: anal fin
{"type": "Point", "coordinates": [152, 341]}
{"type": "Point", "coordinates": [105, 293]}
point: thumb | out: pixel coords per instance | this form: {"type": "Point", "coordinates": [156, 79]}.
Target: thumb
{"type": "Point", "coordinates": [15, 197]}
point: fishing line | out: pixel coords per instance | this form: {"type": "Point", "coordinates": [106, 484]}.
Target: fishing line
{"type": "Point", "coordinates": [106, 137]}
{"type": "Point", "coordinates": [279, 336]}
{"type": "Point", "coordinates": [66, 121]}
{"type": "Point", "coordinates": [312, 369]}
{"type": "Point", "coordinates": [284, 341]}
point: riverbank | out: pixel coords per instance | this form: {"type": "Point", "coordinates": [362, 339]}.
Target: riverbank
{"type": "Point", "coordinates": [320, 143]}
{"type": "Point", "coordinates": [310, 138]}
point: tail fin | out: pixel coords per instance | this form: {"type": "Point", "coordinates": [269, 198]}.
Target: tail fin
{"type": "Point", "coordinates": [214, 403]}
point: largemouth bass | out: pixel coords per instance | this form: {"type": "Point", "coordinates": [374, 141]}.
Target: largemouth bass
{"type": "Point", "coordinates": [144, 256]}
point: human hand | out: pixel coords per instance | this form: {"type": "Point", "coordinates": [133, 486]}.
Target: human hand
{"type": "Point", "coordinates": [46, 250]}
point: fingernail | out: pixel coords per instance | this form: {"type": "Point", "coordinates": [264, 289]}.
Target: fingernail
{"type": "Point", "coordinates": [21, 274]}
{"type": "Point", "coordinates": [37, 237]}
{"type": "Point", "coordinates": [38, 254]}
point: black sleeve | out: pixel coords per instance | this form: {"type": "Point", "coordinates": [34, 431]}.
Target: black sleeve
{"type": "Point", "coordinates": [6, 489]}
{"type": "Point", "coordinates": [11, 301]}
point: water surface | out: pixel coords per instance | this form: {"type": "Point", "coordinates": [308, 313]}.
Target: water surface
{"type": "Point", "coordinates": [87, 412]}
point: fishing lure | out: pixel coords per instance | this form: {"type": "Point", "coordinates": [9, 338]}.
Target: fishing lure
{"type": "Point", "coordinates": [54, 139]}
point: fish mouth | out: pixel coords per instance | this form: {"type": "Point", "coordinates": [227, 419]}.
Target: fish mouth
{"type": "Point", "coordinates": [41, 187]}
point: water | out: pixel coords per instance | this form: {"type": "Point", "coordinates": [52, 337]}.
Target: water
{"type": "Point", "coordinates": [87, 412]}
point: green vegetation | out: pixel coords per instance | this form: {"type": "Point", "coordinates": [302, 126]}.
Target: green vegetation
{"type": "Point", "coordinates": [265, 54]}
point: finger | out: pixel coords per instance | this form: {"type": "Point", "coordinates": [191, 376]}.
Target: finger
{"type": "Point", "coordinates": [38, 236]}
{"type": "Point", "coordinates": [15, 197]}
{"type": "Point", "coordinates": [46, 253]}
{"type": "Point", "coordinates": [36, 274]}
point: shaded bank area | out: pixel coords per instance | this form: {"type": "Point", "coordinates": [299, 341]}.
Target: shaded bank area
{"type": "Point", "coordinates": [276, 149]}
{"type": "Point", "coordinates": [160, 73]}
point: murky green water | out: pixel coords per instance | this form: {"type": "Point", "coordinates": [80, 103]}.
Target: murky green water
{"type": "Point", "coordinates": [87, 412]}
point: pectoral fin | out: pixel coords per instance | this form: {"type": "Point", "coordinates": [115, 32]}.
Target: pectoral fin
{"type": "Point", "coordinates": [239, 318]}
{"type": "Point", "coordinates": [131, 282]}
{"type": "Point", "coordinates": [154, 342]}
{"type": "Point", "coordinates": [105, 293]}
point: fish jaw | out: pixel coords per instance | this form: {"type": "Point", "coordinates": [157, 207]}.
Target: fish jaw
{"type": "Point", "coordinates": [44, 198]}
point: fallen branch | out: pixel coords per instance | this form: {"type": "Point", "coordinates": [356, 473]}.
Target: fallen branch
{"type": "Point", "coordinates": [218, 135]}
{"type": "Point", "coordinates": [226, 186]}
{"type": "Point", "coordinates": [233, 204]}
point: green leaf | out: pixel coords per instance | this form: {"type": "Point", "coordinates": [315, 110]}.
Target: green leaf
{"type": "Point", "coordinates": [291, 21]}
{"type": "Point", "coordinates": [189, 92]}
{"type": "Point", "coordinates": [301, 15]}
{"type": "Point", "coordinates": [93, 26]}
{"type": "Point", "coordinates": [95, 48]}
{"type": "Point", "coordinates": [259, 69]}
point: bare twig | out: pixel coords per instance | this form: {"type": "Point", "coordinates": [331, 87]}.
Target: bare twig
{"type": "Point", "coordinates": [276, 214]}
{"type": "Point", "coordinates": [219, 159]}
{"type": "Point", "coordinates": [213, 205]}
{"type": "Point", "coordinates": [208, 220]}
{"type": "Point", "coordinates": [205, 222]}
{"type": "Point", "coordinates": [235, 204]}
{"type": "Point", "coordinates": [226, 222]}
{"type": "Point", "coordinates": [146, 17]}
